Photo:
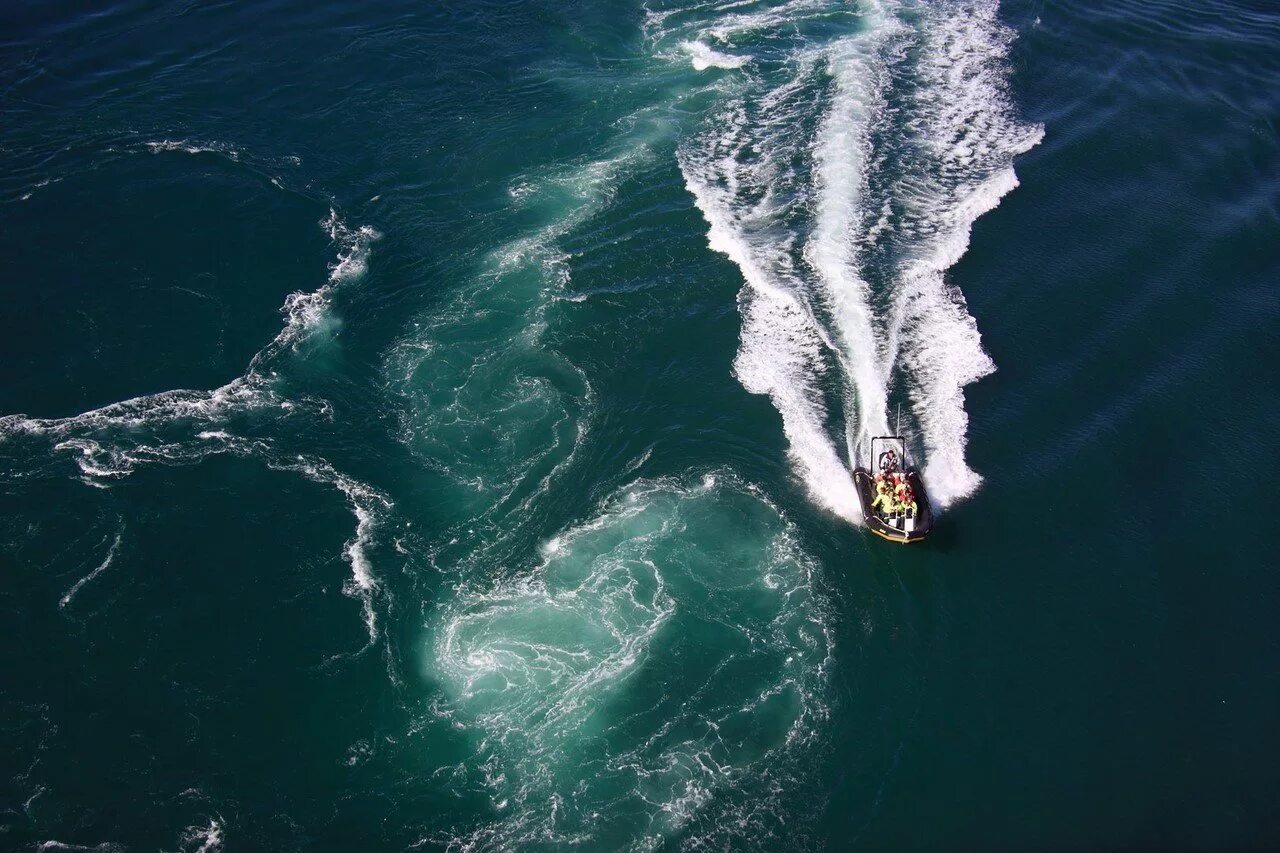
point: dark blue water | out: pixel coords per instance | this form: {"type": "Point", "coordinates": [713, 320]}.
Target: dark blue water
{"type": "Point", "coordinates": [430, 426]}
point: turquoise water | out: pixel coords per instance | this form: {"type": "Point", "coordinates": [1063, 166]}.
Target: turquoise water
{"type": "Point", "coordinates": [430, 426]}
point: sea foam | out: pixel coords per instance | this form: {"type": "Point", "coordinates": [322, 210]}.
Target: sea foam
{"type": "Point", "coordinates": [183, 427]}
{"type": "Point", "coordinates": [101, 567]}
{"type": "Point", "coordinates": [703, 57]}
{"type": "Point", "coordinates": [843, 216]}
{"type": "Point", "coordinates": [668, 650]}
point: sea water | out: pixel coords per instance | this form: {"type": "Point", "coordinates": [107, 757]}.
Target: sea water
{"type": "Point", "coordinates": [431, 426]}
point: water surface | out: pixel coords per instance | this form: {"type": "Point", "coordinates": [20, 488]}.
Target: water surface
{"type": "Point", "coordinates": [429, 426]}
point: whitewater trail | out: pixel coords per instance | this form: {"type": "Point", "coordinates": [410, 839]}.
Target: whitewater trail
{"type": "Point", "coordinates": [842, 215]}
{"type": "Point", "coordinates": [842, 171]}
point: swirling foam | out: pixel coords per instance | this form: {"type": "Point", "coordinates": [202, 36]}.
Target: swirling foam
{"type": "Point", "coordinates": [484, 401]}
{"type": "Point", "coordinates": [696, 594]}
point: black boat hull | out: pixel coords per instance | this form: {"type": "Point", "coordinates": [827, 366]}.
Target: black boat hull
{"type": "Point", "coordinates": [884, 528]}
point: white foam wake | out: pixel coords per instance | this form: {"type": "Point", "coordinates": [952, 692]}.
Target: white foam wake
{"type": "Point", "coordinates": [842, 151]}
{"type": "Point", "coordinates": [744, 179]}
{"type": "Point", "coordinates": [781, 355]}
{"type": "Point", "coordinates": [968, 137]}
{"type": "Point", "coordinates": [843, 215]}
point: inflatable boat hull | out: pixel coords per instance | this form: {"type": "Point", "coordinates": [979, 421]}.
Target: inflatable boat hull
{"type": "Point", "coordinates": [895, 530]}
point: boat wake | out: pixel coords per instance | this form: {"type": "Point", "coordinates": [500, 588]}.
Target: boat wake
{"type": "Point", "coordinates": [841, 170]}
{"type": "Point", "coordinates": [839, 156]}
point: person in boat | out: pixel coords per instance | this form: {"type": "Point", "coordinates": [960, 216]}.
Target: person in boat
{"type": "Point", "coordinates": [901, 497]}
{"type": "Point", "coordinates": [908, 500]}
{"type": "Point", "coordinates": [888, 462]}
{"type": "Point", "coordinates": [883, 498]}
{"type": "Point", "coordinates": [900, 489]}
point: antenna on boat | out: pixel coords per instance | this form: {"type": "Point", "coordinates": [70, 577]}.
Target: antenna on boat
{"type": "Point", "coordinates": [897, 430]}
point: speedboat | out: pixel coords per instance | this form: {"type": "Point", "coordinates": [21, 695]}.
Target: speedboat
{"type": "Point", "coordinates": [894, 501]}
